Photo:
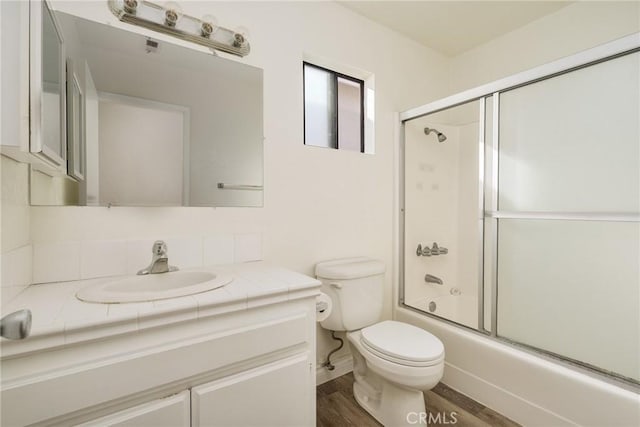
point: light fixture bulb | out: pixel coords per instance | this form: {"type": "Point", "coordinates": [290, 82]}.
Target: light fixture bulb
{"type": "Point", "coordinates": [172, 12]}
{"type": "Point", "coordinates": [240, 36]}
{"type": "Point", "coordinates": [209, 23]}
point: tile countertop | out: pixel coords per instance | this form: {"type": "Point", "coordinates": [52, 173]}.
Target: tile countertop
{"type": "Point", "coordinates": [59, 318]}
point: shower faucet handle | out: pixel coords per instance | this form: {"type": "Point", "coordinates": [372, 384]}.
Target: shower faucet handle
{"type": "Point", "coordinates": [423, 251]}
{"type": "Point", "coordinates": [435, 250]}
{"type": "Point", "coordinates": [438, 250]}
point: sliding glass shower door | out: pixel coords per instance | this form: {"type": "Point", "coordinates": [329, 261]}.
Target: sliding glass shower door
{"type": "Point", "coordinates": [443, 218]}
{"type": "Point", "coordinates": [568, 203]}
{"type": "Point", "coordinates": [535, 191]}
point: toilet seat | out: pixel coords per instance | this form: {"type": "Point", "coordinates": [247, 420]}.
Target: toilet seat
{"type": "Point", "coordinates": [402, 343]}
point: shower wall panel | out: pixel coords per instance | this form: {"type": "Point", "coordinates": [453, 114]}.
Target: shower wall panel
{"type": "Point", "coordinates": [441, 206]}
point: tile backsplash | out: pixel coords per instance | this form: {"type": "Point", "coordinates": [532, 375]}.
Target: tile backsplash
{"type": "Point", "coordinates": [75, 260]}
{"type": "Point", "coordinates": [16, 271]}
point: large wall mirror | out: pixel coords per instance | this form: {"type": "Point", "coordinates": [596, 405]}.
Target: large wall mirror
{"type": "Point", "coordinates": [155, 124]}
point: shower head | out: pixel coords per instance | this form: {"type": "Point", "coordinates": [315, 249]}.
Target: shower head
{"type": "Point", "coordinates": [441, 136]}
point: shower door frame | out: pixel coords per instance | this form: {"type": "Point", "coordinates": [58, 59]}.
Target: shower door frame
{"type": "Point", "coordinates": [488, 212]}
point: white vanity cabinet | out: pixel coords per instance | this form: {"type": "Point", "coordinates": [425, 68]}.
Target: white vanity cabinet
{"type": "Point", "coordinates": [273, 395]}
{"type": "Point", "coordinates": [172, 411]}
{"type": "Point", "coordinates": [248, 359]}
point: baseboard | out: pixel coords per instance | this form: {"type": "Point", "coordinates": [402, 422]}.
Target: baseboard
{"type": "Point", "coordinates": [343, 365]}
{"type": "Point", "coordinates": [500, 400]}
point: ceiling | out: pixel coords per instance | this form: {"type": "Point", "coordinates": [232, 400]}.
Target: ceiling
{"type": "Point", "coordinates": [453, 27]}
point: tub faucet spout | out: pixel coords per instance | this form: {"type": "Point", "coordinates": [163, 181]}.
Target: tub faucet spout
{"type": "Point", "coordinates": [433, 279]}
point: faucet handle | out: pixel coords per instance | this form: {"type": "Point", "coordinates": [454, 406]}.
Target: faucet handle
{"type": "Point", "coordinates": [438, 250]}
{"type": "Point", "coordinates": [435, 250]}
{"type": "Point", "coordinates": [159, 248]}
{"type": "Point", "coordinates": [423, 251]}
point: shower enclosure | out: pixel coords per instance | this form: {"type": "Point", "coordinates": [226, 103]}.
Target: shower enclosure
{"type": "Point", "coordinates": [520, 210]}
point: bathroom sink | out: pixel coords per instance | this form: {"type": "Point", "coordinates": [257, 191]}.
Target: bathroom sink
{"type": "Point", "coordinates": [153, 287]}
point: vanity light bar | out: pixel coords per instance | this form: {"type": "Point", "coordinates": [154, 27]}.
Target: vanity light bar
{"type": "Point", "coordinates": [169, 19]}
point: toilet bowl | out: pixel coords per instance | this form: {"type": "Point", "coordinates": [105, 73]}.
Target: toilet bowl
{"type": "Point", "coordinates": [393, 362]}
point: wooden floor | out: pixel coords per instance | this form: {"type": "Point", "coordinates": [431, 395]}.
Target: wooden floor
{"type": "Point", "coordinates": [336, 407]}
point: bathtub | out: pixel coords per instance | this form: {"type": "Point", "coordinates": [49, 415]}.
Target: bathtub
{"type": "Point", "coordinates": [531, 389]}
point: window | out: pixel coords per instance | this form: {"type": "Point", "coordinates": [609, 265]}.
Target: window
{"type": "Point", "coordinates": [333, 109]}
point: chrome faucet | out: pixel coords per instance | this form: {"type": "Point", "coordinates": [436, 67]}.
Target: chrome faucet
{"type": "Point", "coordinates": [159, 261]}
{"type": "Point", "coordinates": [433, 279]}
{"type": "Point", "coordinates": [435, 250]}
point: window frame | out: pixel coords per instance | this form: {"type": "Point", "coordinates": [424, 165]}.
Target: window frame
{"type": "Point", "coordinates": [335, 75]}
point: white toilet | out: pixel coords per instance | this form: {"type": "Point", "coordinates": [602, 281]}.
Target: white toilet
{"type": "Point", "coordinates": [393, 362]}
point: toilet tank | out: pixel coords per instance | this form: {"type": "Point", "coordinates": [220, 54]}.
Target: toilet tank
{"type": "Point", "coordinates": [355, 286]}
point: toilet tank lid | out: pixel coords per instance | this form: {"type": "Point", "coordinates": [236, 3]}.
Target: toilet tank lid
{"type": "Point", "coordinates": [351, 268]}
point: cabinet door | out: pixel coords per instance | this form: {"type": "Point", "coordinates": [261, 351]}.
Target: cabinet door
{"type": "Point", "coordinates": [172, 411]}
{"type": "Point", "coordinates": [277, 394]}
{"type": "Point", "coordinates": [47, 87]}
{"type": "Point", "coordinates": [14, 33]}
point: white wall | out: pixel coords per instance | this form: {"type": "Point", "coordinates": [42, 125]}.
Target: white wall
{"type": "Point", "coordinates": [579, 26]}
{"type": "Point", "coordinates": [52, 190]}
{"type": "Point", "coordinates": [319, 203]}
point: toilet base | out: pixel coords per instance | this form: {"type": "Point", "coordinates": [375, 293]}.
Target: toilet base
{"type": "Point", "coordinates": [391, 393]}
{"type": "Point", "coordinates": [391, 406]}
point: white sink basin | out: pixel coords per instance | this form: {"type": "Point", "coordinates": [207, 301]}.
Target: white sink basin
{"type": "Point", "coordinates": [153, 287]}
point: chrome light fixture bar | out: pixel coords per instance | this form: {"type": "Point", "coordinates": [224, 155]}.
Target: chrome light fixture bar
{"type": "Point", "coordinates": [169, 19]}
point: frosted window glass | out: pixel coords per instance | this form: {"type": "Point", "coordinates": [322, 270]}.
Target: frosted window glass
{"type": "Point", "coordinates": [349, 115]}
{"type": "Point", "coordinates": [319, 108]}
{"type": "Point", "coordinates": [572, 143]}
{"type": "Point", "coordinates": [572, 288]}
